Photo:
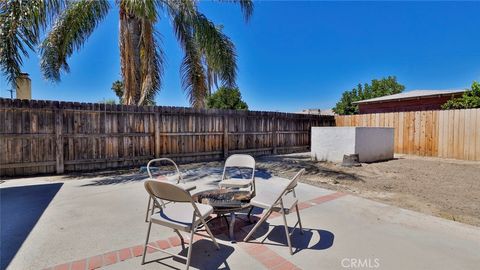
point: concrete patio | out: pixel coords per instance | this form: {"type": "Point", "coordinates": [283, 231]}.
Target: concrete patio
{"type": "Point", "coordinates": [92, 222]}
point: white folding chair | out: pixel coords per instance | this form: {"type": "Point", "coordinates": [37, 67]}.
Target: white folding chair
{"type": "Point", "coordinates": [239, 161]}
{"type": "Point", "coordinates": [181, 214]}
{"type": "Point", "coordinates": [283, 202]}
{"type": "Point", "coordinates": [177, 177]}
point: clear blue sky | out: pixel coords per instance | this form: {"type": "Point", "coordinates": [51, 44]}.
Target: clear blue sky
{"type": "Point", "coordinates": [296, 55]}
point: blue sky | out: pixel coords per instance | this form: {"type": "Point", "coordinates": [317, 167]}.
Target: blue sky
{"type": "Point", "coordinates": [296, 55]}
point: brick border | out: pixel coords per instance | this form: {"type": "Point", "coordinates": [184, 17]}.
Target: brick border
{"type": "Point", "coordinates": [263, 254]}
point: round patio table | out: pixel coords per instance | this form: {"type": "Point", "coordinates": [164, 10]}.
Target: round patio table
{"type": "Point", "coordinates": [225, 201]}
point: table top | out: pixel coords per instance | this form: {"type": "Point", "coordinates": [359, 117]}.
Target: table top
{"type": "Point", "coordinates": [224, 200]}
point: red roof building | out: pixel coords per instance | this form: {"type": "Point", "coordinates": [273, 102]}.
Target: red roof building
{"type": "Point", "coordinates": [417, 100]}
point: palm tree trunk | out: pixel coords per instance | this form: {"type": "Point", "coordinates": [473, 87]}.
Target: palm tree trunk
{"type": "Point", "coordinates": [130, 39]}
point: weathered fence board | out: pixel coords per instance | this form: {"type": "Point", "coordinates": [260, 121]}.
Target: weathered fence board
{"type": "Point", "coordinates": [56, 137]}
{"type": "Point", "coordinates": [447, 134]}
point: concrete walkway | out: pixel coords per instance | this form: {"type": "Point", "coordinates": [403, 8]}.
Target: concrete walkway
{"type": "Point", "coordinates": [99, 222]}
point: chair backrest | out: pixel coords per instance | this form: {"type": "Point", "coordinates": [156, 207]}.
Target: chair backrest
{"type": "Point", "coordinates": [291, 186]}
{"type": "Point", "coordinates": [293, 183]}
{"type": "Point", "coordinates": [167, 191]}
{"type": "Point", "coordinates": [240, 160]}
{"type": "Point", "coordinates": [180, 179]}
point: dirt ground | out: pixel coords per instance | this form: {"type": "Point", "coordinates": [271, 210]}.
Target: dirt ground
{"type": "Point", "coordinates": [445, 188]}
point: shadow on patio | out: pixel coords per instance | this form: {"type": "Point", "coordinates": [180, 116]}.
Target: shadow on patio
{"type": "Point", "coordinates": [189, 175]}
{"type": "Point", "coordinates": [322, 239]}
{"type": "Point", "coordinates": [21, 208]}
{"type": "Point", "coordinates": [204, 256]}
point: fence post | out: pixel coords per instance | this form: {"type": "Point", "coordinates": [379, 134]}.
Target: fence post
{"type": "Point", "coordinates": [274, 135]}
{"type": "Point", "coordinates": [157, 134]}
{"type": "Point", "coordinates": [225, 135]}
{"type": "Point", "coordinates": [59, 141]}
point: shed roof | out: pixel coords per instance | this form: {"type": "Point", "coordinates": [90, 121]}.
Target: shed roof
{"type": "Point", "coordinates": [414, 94]}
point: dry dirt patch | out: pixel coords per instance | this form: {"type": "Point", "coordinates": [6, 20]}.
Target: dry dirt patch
{"type": "Point", "coordinates": [444, 188]}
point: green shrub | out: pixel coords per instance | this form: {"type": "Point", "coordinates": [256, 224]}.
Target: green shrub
{"type": "Point", "coordinates": [469, 100]}
{"type": "Point", "coordinates": [226, 98]}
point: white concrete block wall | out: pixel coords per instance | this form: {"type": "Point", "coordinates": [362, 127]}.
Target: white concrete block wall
{"type": "Point", "coordinates": [370, 143]}
{"type": "Point", "coordinates": [374, 144]}
{"type": "Point", "coordinates": [331, 143]}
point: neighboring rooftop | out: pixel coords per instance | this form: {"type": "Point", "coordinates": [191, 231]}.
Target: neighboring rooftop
{"type": "Point", "coordinates": [317, 111]}
{"type": "Point", "coordinates": [414, 94]}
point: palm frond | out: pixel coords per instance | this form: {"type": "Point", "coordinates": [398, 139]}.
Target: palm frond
{"type": "Point", "coordinates": [192, 70]}
{"type": "Point", "coordinates": [218, 49]}
{"type": "Point", "coordinates": [70, 31]}
{"type": "Point", "coordinates": [246, 6]}
{"type": "Point", "coordinates": [20, 26]}
{"type": "Point", "coordinates": [145, 9]}
{"type": "Point", "coordinates": [187, 9]}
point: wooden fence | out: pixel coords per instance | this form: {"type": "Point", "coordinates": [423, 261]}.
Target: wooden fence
{"type": "Point", "coordinates": [447, 134]}
{"type": "Point", "coordinates": [56, 137]}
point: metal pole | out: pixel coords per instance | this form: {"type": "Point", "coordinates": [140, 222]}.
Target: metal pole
{"type": "Point", "coordinates": [11, 93]}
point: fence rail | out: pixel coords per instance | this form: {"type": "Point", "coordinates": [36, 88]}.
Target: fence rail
{"type": "Point", "coordinates": [446, 134]}
{"type": "Point", "coordinates": [56, 137]}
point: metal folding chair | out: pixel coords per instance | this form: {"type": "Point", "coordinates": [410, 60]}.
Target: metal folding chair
{"type": "Point", "coordinates": [181, 214]}
{"type": "Point", "coordinates": [239, 161]}
{"type": "Point", "coordinates": [282, 202]}
{"type": "Point", "coordinates": [177, 176]}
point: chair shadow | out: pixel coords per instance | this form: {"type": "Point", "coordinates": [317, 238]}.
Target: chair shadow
{"type": "Point", "coordinates": [277, 237]}
{"type": "Point", "coordinates": [204, 256]}
{"type": "Point", "coordinates": [20, 209]}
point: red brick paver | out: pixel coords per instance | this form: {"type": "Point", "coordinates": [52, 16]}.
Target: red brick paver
{"type": "Point", "coordinates": [125, 254]}
{"type": "Point", "coordinates": [62, 266]}
{"type": "Point", "coordinates": [137, 251]}
{"type": "Point", "coordinates": [79, 265]}
{"type": "Point", "coordinates": [95, 262]}
{"type": "Point", "coordinates": [163, 244]}
{"type": "Point", "coordinates": [110, 258]}
{"type": "Point", "coordinates": [174, 241]}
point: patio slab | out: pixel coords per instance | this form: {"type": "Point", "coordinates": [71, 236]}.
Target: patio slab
{"type": "Point", "coordinates": [89, 217]}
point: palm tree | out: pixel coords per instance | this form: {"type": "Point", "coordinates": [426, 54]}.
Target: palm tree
{"type": "Point", "coordinates": [209, 54]}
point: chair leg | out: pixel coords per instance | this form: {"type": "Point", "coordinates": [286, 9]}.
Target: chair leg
{"type": "Point", "coordinates": [286, 233]}
{"type": "Point", "coordinates": [146, 241]}
{"type": "Point", "coordinates": [249, 215]}
{"type": "Point", "coordinates": [299, 220]}
{"type": "Point", "coordinates": [181, 237]}
{"type": "Point", "coordinates": [148, 208]}
{"type": "Point", "coordinates": [210, 233]}
{"type": "Point", "coordinates": [189, 253]}
{"type": "Point", "coordinates": [257, 225]}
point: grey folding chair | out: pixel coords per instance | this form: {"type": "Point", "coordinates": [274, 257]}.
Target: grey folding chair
{"type": "Point", "coordinates": [177, 177]}
{"type": "Point", "coordinates": [283, 202]}
{"type": "Point", "coordinates": [181, 214]}
{"type": "Point", "coordinates": [239, 161]}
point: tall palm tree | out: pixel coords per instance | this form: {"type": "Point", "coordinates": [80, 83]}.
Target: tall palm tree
{"type": "Point", "coordinates": [209, 54]}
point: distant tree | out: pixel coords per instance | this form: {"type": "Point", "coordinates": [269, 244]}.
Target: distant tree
{"type": "Point", "coordinates": [108, 101]}
{"type": "Point", "coordinates": [469, 100]}
{"type": "Point", "coordinates": [377, 88]}
{"type": "Point", "coordinates": [226, 98]}
{"type": "Point", "coordinates": [118, 87]}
